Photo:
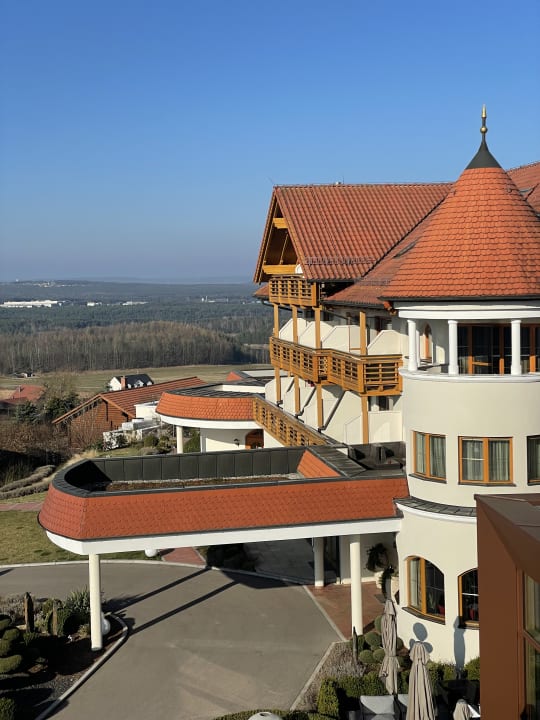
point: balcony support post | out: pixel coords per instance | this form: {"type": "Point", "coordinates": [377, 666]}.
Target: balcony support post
{"type": "Point", "coordinates": [179, 439]}
{"type": "Point", "coordinates": [365, 419]}
{"type": "Point", "coordinates": [344, 560]}
{"type": "Point", "coordinates": [515, 368]}
{"type": "Point", "coordinates": [318, 561]}
{"type": "Point", "coordinates": [453, 367]}
{"type": "Point", "coordinates": [94, 586]}
{"type": "Point", "coordinates": [363, 334]}
{"type": "Point", "coordinates": [320, 415]}
{"type": "Point", "coordinates": [318, 328]}
{"type": "Point", "coordinates": [356, 584]}
{"type": "Point", "coordinates": [413, 346]}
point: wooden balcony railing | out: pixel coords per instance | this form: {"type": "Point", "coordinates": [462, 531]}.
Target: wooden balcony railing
{"type": "Point", "coordinates": [282, 427]}
{"type": "Point", "coordinates": [365, 374]}
{"type": "Point", "coordinates": [293, 291]}
{"type": "Point", "coordinates": [305, 362]}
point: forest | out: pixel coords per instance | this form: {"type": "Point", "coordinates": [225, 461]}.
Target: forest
{"type": "Point", "coordinates": [207, 325]}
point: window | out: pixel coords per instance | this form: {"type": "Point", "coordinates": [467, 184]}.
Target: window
{"type": "Point", "coordinates": [468, 597]}
{"type": "Point", "coordinates": [485, 460]}
{"type": "Point", "coordinates": [532, 645]}
{"type": "Point", "coordinates": [487, 349]}
{"type": "Point", "coordinates": [533, 459]}
{"type": "Point", "coordinates": [430, 455]}
{"type": "Point", "coordinates": [426, 587]}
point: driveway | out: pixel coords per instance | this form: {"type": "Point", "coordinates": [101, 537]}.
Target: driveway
{"type": "Point", "coordinates": [202, 643]}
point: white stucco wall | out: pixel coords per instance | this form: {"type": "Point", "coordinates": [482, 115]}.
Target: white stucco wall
{"type": "Point", "coordinates": [346, 422]}
{"type": "Point", "coordinates": [342, 338]}
{"type": "Point", "coordinates": [215, 439]}
{"type": "Point", "coordinates": [451, 546]}
{"type": "Point", "coordinates": [385, 426]}
{"type": "Point", "coordinates": [387, 342]}
{"type": "Point", "coordinates": [474, 406]}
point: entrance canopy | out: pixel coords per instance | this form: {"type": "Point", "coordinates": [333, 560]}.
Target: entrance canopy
{"type": "Point", "coordinates": [121, 504]}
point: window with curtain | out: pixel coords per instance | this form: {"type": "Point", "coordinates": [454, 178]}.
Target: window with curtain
{"type": "Point", "coordinates": [533, 459]}
{"type": "Point", "coordinates": [468, 597]}
{"type": "Point", "coordinates": [430, 455]}
{"type": "Point", "coordinates": [485, 460]}
{"type": "Point", "coordinates": [426, 587]}
{"type": "Point", "coordinates": [531, 636]}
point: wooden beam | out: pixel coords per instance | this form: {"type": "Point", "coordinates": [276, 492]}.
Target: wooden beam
{"type": "Point", "coordinates": [365, 419]}
{"type": "Point", "coordinates": [363, 334]}
{"type": "Point", "coordinates": [280, 223]}
{"type": "Point", "coordinates": [279, 269]}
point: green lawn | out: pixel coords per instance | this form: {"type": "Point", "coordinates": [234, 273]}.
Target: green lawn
{"type": "Point", "coordinates": [23, 540]}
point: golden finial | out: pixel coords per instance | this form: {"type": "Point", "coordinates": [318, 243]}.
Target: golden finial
{"type": "Point", "coordinates": [483, 129]}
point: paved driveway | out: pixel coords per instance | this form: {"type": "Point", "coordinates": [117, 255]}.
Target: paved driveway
{"type": "Point", "coordinates": [203, 643]}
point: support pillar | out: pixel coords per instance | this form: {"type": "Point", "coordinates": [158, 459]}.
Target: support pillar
{"type": "Point", "coordinates": [413, 346]}
{"type": "Point", "coordinates": [344, 560]}
{"type": "Point", "coordinates": [453, 367]}
{"type": "Point", "coordinates": [318, 561]}
{"type": "Point", "coordinates": [356, 585]}
{"type": "Point", "coordinates": [179, 439]}
{"type": "Point", "coordinates": [94, 585]}
{"type": "Point", "coordinates": [363, 334]}
{"type": "Point", "coordinates": [515, 368]}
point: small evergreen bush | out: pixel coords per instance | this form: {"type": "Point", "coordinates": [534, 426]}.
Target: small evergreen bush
{"type": "Point", "coordinates": [378, 655]}
{"type": "Point", "coordinates": [366, 657]}
{"type": "Point", "coordinates": [350, 685]}
{"type": "Point", "coordinates": [327, 701]}
{"type": "Point", "coordinates": [404, 681]}
{"type": "Point", "coordinates": [373, 639]}
{"type": "Point", "coordinates": [7, 708]}
{"type": "Point", "coordinates": [78, 602]}
{"type": "Point", "coordinates": [371, 684]}
{"type": "Point", "coordinates": [150, 440]}
{"type": "Point", "coordinates": [377, 623]}
{"type": "Point", "coordinates": [30, 638]}
{"type": "Point", "coordinates": [10, 664]}
{"type": "Point", "coordinates": [472, 668]}
{"type": "Point", "coordinates": [5, 647]}
{"type": "Point", "coordinates": [5, 622]}
{"type": "Point", "coordinates": [399, 644]}
{"type": "Point", "coordinates": [12, 633]}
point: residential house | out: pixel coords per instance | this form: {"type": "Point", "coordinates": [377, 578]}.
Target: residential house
{"type": "Point", "coordinates": [129, 382]}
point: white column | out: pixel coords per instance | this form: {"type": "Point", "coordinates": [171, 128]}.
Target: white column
{"type": "Point", "coordinates": [356, 585]}
{"type": "Point", "coordinates": [179, 439]}
{"type": "Point", "coordinates": [344, 560]}
{"type": "Point", "coordinates": [413, 344]}
{"type": "Point", "coordinates": [515, 368]}
{"type": "Point", "coordinates": [94, 584]}
{"type": "Point", "coordinates": [318, 561]}
{"type": "Point", "coordinates": [453, 367]}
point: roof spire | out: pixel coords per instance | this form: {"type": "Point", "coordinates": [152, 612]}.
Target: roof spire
{"type": "Point", "coordinates": [483, 158]}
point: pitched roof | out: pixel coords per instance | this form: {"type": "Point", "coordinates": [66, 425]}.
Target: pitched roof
{"type": "Point", "coordinates": [126, 400]}
{"type": "Point", "coordinates": [482, 242]}
{"type": "Point", "coordinates": [340, 231]}
{"type": "Point", "coordinates": [527, 179]}
{"type": "Point", "coordinates": [23, 393]}
{"type": "Point", "coordinates": [146, 513]}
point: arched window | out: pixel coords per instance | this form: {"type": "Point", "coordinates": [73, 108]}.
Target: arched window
{"type": "Point", "coordinates": [426, 587]}
{"type": "Point", "coordinates": [468, 597]}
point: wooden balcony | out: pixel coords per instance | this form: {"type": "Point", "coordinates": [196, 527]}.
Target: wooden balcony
{"type": "Point", "coordinates": [282, 427]}
{"type": "Point", "coordinates": [293, 291]}
{"type": "Point", "coordinates": [364, 374]}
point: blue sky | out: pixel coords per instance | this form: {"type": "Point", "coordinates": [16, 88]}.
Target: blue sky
{"type": "Point", "coordinates": [141, 139]}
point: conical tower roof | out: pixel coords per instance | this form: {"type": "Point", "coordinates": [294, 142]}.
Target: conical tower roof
{"type": "Point", "coordinates": [482, 242]}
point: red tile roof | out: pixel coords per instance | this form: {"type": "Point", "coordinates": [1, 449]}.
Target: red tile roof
{"type": "Point", "coordinates": [341, 231]}
{"type": "Point", "coordinates": [222, 508]}
{"type": "Point", "coordinates": [26, 393]}
{"type": "Point", "coordinates": [527, 178]}
{"type": "Point", "coordinates": [482, 242]}
{"type": "Point", "coordinates": [196, 407]}
{"type": "Point", "coordinates": [126, 400]}
{"type": "Point", "coordinates": [311, 466]}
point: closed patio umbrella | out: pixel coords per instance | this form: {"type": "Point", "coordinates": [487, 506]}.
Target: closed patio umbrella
{"type": "Point", "coordinates": [389, 666]}
{"type": "Point", "coordinates": [421, 706]}
{"type": "Point", "coordinates": [462, 711]}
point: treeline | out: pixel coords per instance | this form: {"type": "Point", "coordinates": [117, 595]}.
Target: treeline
{"type": "Point", "coordinates": [135, 344]}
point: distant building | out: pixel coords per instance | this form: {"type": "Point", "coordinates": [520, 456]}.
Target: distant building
{"type": "Point", "coordinates": [129, 382]}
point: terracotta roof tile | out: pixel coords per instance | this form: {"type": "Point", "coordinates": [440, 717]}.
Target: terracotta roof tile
{"type": "Point", "coordinates": [483, 241]}
{"type": "Point", "coordinates": [223, 508]}
{"type": "Point", "coordinates": [341, 231]}
{"type": "Point", "coordinates": [220, 407]}
{"type": "Point", "coordinates": [311, 466]}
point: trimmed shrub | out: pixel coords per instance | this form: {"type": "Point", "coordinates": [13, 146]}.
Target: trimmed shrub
{"type": "Point", "coordinates": [472, 668]}
{"type": "Point", "coordinates": [78, 602]}
{"type": "Point", "coordinates": [399, 644]}
{"type": "Point", "coordinates": [12, 634]}
{"type": "Point", "coordinates": [373, 639]}
{"type": "Point", "coordinates": [10, 664]}
{"type": "Point", "coordinates": [377, 623]}
{"type": "Point", "coordinates": [150, 440]}
{"type": "Point", "coordinates": [404, 681]}
{"type": "Point", "coordinates": [7, 708]}
{"type": "Point", "coordinates": [372, 684]}
{"type": "Point", "coordinates": [5, 622]}
{"type": "Point", "coordinates": [378, 655]}
{"type": "Point", "coordinates": [327, 701]}
{"type": "Point", "coordinates": [5, 647]}
{"type": "Point", "coordinates": [366, 657]}
{"type": "Point", "coordinates": [68, 622]}
{"type": "Point", "coordinates": [440, 672]}
{"type": "Point", "coordinates": [350, 685]}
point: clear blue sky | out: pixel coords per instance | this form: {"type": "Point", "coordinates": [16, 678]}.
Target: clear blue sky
{"type": "Point", "coordinates": [142, 138]}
